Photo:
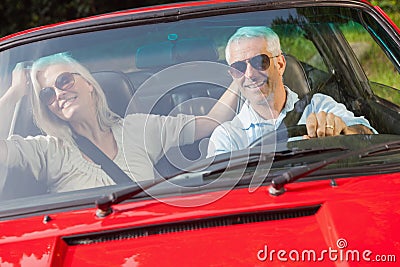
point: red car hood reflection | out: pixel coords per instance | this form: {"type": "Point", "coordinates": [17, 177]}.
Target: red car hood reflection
{"type": "Point", "coordinates": [352, 224]}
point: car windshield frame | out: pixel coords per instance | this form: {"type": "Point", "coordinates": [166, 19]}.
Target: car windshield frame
{"type": "Point", "coordinates": [131, 33]}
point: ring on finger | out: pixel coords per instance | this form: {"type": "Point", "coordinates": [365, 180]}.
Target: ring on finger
{"type": "Point", "coordinates": [329, 127]}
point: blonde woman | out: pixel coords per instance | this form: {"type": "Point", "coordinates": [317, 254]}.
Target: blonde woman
{"type": "Point", "coordinates": [66, 100]}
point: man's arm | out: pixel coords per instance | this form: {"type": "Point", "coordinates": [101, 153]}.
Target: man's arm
{"type": "Point", "coordinates": [223, 110]}
{"type": "Point", "coordinates": [357, 129]}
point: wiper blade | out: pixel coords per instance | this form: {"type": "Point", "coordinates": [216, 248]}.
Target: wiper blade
{"type": "Point", "coordinates": [295, 173]}
{"type": "Point", "coordinates": [193, 176]}
{"type": "Point", "coordinates": [254, 155]}
{"type": "Point", "coordinates": [387, 147]}
{"type": "Point", "coordinates": [104, 204]}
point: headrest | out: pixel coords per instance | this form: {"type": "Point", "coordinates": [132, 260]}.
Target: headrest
{"type": "Point", "coordinates": [295, 76]}
{"type": "Point", "coordinates": [173, 52]}
{"type": "Point", "coordinates": [118, 89]}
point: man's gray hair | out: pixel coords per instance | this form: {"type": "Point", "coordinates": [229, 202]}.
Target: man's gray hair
{"type": "Point", "coordinates": [48, 122]}
{"type": "Point", "coordinates": [274, 46]}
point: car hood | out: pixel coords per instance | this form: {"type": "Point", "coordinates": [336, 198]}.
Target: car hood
{"type": "Point", "coordinates": [352, 223]}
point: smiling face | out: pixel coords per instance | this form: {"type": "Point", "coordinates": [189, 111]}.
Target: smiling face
{"type": "Point", "coordinates": [73, 103]}
{"type": "Point", "coordinates": [260, 87]}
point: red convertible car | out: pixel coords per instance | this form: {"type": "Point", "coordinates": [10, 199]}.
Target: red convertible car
{"type": "Point", "coordinates": [291, 201]}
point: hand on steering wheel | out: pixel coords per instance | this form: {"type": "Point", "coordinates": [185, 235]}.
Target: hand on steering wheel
{"type": "Point", "coordinates": [325, 124]}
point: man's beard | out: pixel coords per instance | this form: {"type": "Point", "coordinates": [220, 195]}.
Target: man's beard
{"type": "Point", "coordinates": [264, 95]}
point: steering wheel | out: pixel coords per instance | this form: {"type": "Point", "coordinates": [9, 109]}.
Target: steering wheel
{"type": "Point", "coordinates": [280, 134]}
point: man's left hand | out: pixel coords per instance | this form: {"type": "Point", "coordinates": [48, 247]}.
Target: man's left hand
{"type": "Point", "coordinates": [328, 124]}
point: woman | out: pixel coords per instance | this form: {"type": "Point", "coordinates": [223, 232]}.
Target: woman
{"type": "Point", "coordinates": [66, 100]}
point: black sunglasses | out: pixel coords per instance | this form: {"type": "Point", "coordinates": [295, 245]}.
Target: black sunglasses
{"type": "Point", "coordinates": [259, 62]}
{"type": "Point", "coordinates": [65, 81]}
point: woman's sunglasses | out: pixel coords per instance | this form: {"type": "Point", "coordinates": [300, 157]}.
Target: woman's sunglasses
{"type": "Point", "coordinates": [259, 62]}
{"type": "Point", "coordinates": [65, 81]}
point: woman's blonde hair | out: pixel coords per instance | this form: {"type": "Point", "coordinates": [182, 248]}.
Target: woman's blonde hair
{"type": "Point", "coordinates": [48, 122]}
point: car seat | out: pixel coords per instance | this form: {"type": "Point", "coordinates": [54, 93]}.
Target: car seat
{"type": "Point", "coordinates": [118, 89]}
{"type": "Point", "coordinates": [295, 76]}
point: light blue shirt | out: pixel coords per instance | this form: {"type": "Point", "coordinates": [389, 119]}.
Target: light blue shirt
{"type": "Point", "coordinates": [248, 126]}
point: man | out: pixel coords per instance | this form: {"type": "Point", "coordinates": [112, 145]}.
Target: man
{"type": "Point", "coordinates": [257, 66]}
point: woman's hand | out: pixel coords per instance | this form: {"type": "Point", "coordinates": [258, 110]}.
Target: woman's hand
{"type": "Point", "coordinates": [19, 87]}
{"type": "Point", "coordinates": [20, 82]}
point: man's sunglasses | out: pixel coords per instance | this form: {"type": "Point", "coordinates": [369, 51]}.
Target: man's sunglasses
{"type": "Point", "coordinates": [259, 62]}
{"type": "Point", "coordinates": [65, 81]}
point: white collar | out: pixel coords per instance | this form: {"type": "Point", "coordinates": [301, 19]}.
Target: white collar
{"type": "Point", "coordinates": [249, 117]}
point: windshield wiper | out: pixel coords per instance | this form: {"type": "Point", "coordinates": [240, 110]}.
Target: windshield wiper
{"type": "Point", "coordinates": [278, 183]}
{"type": "Point", "coordinates": [254, 156]}
{"type": "Point", "coordinates": [217, 164]}
{"type": "Point", "coordinates": [104, 204]}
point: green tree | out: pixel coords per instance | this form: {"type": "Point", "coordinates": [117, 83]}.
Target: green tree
{"type": "Point", "coordinates": [389, 6]}
{"type": "Point", "coordinates": [17, 15]}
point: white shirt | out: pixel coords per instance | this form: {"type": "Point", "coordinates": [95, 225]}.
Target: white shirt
{"type": "Point", "coordinates": [248, 125]}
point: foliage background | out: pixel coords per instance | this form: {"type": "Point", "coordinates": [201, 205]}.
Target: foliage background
{"type": "Point", "coordinates": [391, 7]}
{"type": "Point", "coordinates": [388, 5]}
{"type": "Point", "coordinates": [17, 15]}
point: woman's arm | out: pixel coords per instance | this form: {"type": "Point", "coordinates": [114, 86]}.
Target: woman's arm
{"type": "Point", "coordinates": [223, 110]}
{"type": "Point", "coordinates": [3, 153]}
{"type": "Point", "coordinates": [9, 100]}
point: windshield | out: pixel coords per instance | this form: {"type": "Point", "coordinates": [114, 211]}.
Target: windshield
{"type": "Point", "coordinates": [161, 98]}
